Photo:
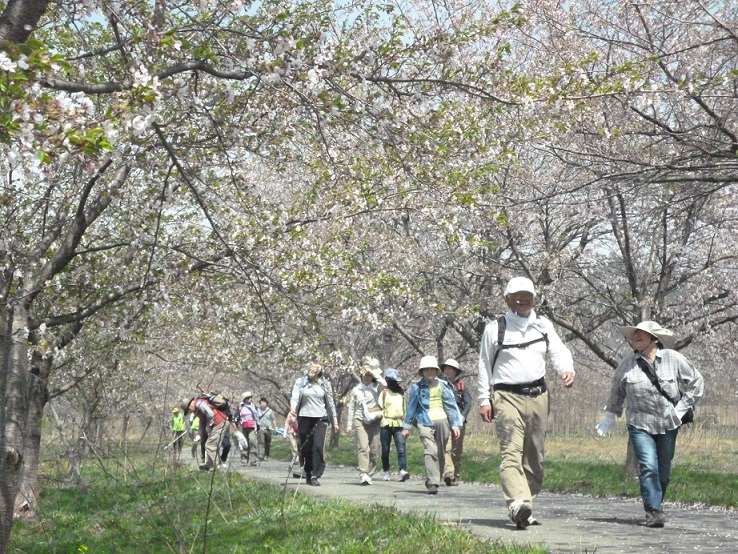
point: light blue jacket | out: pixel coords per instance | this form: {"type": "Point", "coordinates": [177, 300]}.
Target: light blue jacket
{"type": "Point", "coordinates": [418, 404]}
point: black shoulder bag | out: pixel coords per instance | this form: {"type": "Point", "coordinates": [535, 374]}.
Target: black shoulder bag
{"type": "Point", "coordinates": [686, 418]}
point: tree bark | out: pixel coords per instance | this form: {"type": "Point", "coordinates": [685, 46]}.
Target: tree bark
{"type": "Point", "coordinates": [19, 19]}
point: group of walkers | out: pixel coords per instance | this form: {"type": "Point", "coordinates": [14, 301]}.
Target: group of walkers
{"type": "Point", "coordinates": [212, 425]}
{"type": "Point", "coordinates": [657, 385]}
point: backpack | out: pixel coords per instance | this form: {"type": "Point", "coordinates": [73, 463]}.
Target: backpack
{"type": "Point", "coordinates": [501, 328]}
{"type": "Point", "coordinates": [217, 400]}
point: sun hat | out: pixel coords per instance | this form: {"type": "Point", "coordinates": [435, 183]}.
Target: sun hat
{"type": "Point", "coordinates": [427, 362]}
{"type": "Point", "coordinates": [247, 394]}
{"type": "Point", "coordinates": [452, 363]}
{"type": "Point", "coordinates": [175, 410]}
{"type": "Point", "coordinates": [519, 284]}
{"type": "Point", "coordinates": [665, 336]}
{"type": "Point", "coordinates": [392, 373]}
{"type": "Point", "coordinates": [185, 404]}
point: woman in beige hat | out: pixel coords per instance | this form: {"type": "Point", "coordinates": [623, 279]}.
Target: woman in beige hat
{"type": "Point", "coordinates": [364, 417]}
{"type": "Point", "coordinates": [432, 408]}
{"type": "Point", "coordinates": [660, 387]}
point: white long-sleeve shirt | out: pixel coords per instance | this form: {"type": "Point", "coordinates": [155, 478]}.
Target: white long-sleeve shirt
{"type": "Point", "coordinates": [519, 365]}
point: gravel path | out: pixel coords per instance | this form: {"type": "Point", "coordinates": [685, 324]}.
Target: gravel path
{"type": "Point", "coordinates": [569, 523]}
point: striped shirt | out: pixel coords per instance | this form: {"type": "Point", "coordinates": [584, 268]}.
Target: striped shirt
{"type": "Point", "coordinates": [646, 407]}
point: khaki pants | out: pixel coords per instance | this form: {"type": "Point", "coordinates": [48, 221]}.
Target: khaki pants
{"type": "Point", "coordinates": [521, 429]}
{"type": "Point", "coordinates": [368, 445]}
{"type": "Point", "coordinates": [216, 434]}
{"type": "Point", "coordinates": [452, 457]}
{"type": "Point", "coordinates": [434, 441]}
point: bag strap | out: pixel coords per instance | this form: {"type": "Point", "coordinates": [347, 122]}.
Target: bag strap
{"type": "Point", "coordinates": [501, 327]}
{"type": "Point", "coordinates": [654, 380]}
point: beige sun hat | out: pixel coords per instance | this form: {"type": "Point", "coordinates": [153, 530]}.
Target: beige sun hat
{"type": "Point", "coordinates": [452, 363]}
{"type": "Point", "coordinates": [247, 394]}
{"type": "Point", "coordinates": [665, 336]}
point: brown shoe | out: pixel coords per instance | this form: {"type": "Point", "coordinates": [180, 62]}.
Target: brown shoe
{"type": "Point", "coordinates": [432, 489]}
{"type": "Point", "coordinates": [655, 518]}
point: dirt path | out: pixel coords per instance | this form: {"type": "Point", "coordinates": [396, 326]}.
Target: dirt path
{"type": "Point", "coordinates": [569, 523]}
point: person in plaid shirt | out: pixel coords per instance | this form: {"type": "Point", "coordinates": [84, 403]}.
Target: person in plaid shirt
{"type": "Point", "coordinates": [653, 420]}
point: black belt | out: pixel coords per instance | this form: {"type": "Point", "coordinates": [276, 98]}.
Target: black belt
{"type": "Point", "coordinates": [528, 389]}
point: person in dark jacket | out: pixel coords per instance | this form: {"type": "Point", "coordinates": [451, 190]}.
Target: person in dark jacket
{"type": "Point", "coordinates": [455, 446]}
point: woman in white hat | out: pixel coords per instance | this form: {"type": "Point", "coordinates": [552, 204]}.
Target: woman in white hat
{"type": "Point", "coordinates": [431, 407]}
{"type": "Point", "coordinates": [364, 416]}
{"type": "Point", "coordinates": [660, 388]}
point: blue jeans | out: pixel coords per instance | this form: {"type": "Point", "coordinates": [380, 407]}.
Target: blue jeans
{"type": "Point", "coordinates": [386, 434]}
{"type": "Point", "coordinates": [654, 454]}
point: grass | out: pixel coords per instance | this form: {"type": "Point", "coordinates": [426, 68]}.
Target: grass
{"type": "Point", "coordinates": [149, 506]}
{"type": "Point", "coordinates": [146, 505]}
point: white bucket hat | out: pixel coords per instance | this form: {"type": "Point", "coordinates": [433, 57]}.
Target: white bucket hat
{"type": "Point", "coordinates": [665, 336]}
{"type": "Point", "coordinates": [428, 362]}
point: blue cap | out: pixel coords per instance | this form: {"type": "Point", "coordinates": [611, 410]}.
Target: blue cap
{"type": "Point", "coordinates": [392, 373]}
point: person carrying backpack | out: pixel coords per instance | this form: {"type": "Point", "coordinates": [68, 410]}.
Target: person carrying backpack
{"type": "Point", "coordinates": [455, 446]}
{"type": "Point", "coordinates": [213, 416]}
{"type": "Point", "coordinates": [512, 390]}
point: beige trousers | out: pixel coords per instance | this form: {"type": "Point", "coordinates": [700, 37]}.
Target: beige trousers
{"type": "Point", "coordinates": [368, 445]}
{"type": "Point", "coordinates": [434, 441]}
{"type": "Point", "coordinates": [521, 429]}
{"type": "Point", "coordinates": [452, 457]}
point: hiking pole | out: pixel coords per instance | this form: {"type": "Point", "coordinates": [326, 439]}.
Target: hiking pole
{"type": "Point", "coordinates": [182, 434]}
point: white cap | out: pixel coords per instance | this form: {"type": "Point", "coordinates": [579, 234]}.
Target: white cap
{"type": "Point", "coordinates": [519, 284]}
{"type": "Point", "coordinates": [429, 362]}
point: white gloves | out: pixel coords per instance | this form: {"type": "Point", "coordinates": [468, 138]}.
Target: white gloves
{"type": "Point", "coordinates": [604, 426]}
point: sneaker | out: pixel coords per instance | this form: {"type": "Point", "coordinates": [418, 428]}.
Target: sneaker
{"type": "Point", "coordinates": [519, 513]}
{"type": "Point", "coordinates": [385, 475]}
{"type": "Point", "coordinates": [365, 479]}
{"type": "Point", "coordinates": [404, 475]}
{"type": "Point", "coordinates": [314, 482]}
{"type": "Point", "coordinates": [655, 518]}
{"type": "Point", "coordinates": [432, 489]}
{"type": "Point", "coordinates": [533, 521]}
{"type": "Point", "coordinates": [448, 480]}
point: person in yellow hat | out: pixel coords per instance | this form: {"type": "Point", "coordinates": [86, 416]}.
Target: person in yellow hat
{"type": "Point", "coordinates": [177, 426]}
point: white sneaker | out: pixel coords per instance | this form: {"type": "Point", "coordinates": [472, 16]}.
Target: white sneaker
{"type": "Point", "coordinates": [404, 475]}
{"type": "Point", "coordinates": [519, 513]}
{"type": "Point", "coordinates": [386, 475]}
{"type": "Point", "coordinates": [365, 479]}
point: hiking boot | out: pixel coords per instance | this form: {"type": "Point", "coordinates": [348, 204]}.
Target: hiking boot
{"type": "Point", "coordinates": [404, 475]}
{"type": "Point", "coordinates": [385, 475]}
{"type": "Point", "coordinates": [519, 513]}
{"type": "Point", "coordinates": [448, 480]}
{"type": "Point", "coordinates": [314, 482]}
{"type": "Point", "coordinates": [432, 489]}
{"type": "Point", "coordinates": [655, 518]}
{"type": "Point", "coordinates": [365, 480]}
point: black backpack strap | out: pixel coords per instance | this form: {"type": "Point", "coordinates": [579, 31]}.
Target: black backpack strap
{"type": "Point", "coordinates": [501, 327]}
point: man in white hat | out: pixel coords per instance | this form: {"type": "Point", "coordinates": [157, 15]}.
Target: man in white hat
{"type": "Point", "coordinates": [451, 370]}
{"type": "Point", "coordinates": [512, 390]}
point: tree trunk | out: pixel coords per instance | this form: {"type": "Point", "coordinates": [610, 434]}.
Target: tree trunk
{"type": "Point", "coordinates": [13, 424]}
{"type": "Point", "coordinates": [26, 500]}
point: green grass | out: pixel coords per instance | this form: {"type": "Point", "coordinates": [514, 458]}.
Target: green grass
{"type": "Point", "coordinates": [147, 506]}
